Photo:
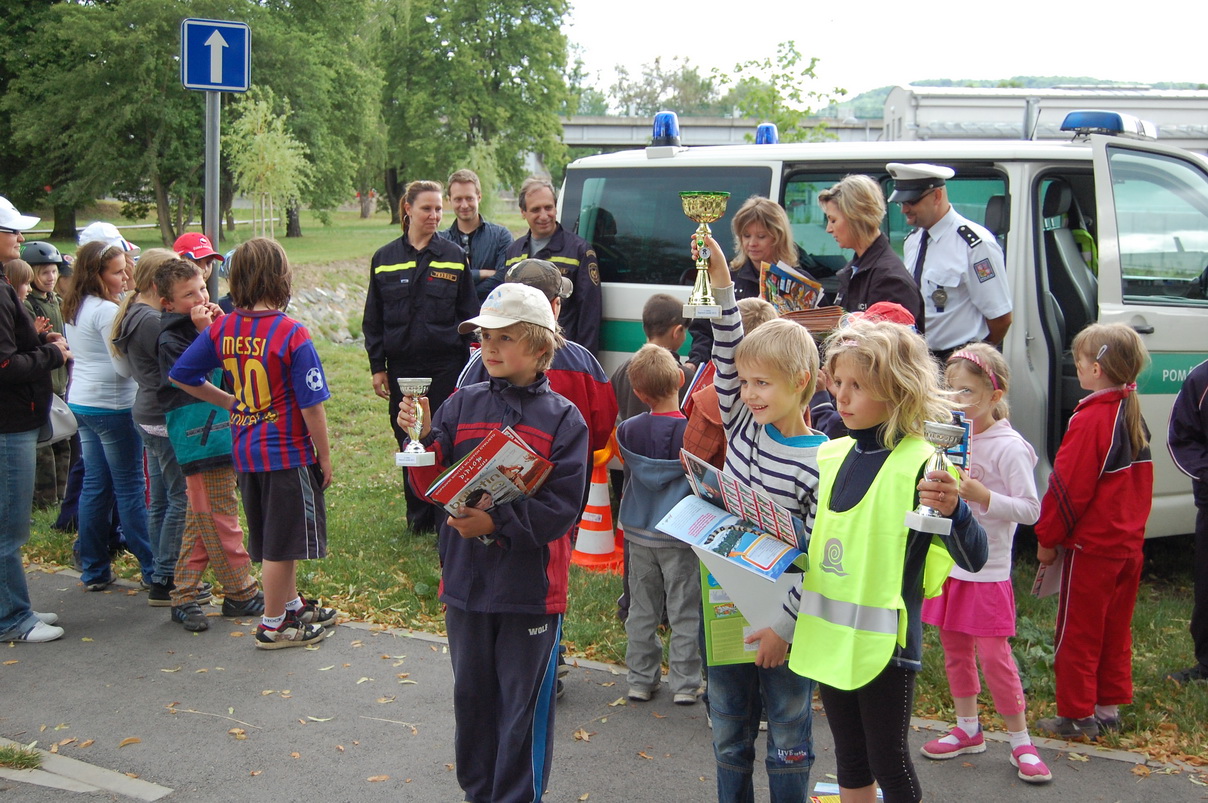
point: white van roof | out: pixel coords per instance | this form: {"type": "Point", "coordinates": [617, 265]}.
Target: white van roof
{"type": "Point", "coordinates": [863, 152]}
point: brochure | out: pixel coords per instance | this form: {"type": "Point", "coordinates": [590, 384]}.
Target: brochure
{"type": "Point", "coordinates": [501, 468]}
{"type": "Point", "coordinates": [754, 507]}
{"type": "Point", "coordinates": [737, 603]}
{"type": "Point", "coordinates": [787, 288]}
{"type": "Point", "coordinates": [1048, 578]}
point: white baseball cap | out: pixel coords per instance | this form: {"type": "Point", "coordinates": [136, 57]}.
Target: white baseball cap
{"type": "Point", "coordinates": [102, 232]}
{"type": "Point", "coordinates": [13, 220]}
{"type": "Point", "coordinates": [511, 303]}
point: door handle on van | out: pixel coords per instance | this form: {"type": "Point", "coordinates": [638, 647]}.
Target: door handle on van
{"type": "Point", "coordinates": [1143, 328]}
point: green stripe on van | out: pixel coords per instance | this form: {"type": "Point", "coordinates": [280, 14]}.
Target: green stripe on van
{"type": "Point", "coordinates": [627, 337]}
{"type": "Point", "coordinates": [1167, 372]}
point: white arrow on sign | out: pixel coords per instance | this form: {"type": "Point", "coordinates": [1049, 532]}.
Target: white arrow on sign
{"type": "Point", "coordinates": [216, 43]}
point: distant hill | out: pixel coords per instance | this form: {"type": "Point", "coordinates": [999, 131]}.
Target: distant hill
{"type": "Point", "coordinates": [871, 105]}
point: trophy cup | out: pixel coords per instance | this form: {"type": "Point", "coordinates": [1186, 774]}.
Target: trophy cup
{"type": "Point", "coordinates": [926, 519]}
{"type": "Point", "coordinates": [704, 208]}
{"type": "Point", "coordinates": [414, 454]}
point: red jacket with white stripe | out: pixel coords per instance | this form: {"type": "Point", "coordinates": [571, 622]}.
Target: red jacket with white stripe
{"type": "Point", "coordinates": [1100, 491]}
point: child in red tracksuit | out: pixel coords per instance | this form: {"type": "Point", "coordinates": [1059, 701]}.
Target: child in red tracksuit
{"type": "Point", "coordinates": [1098, 501]}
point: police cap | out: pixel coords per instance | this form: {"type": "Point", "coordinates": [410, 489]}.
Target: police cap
{"type": "Point", "coordinates": [910, 181]}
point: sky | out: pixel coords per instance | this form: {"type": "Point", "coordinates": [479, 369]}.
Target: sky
{"type": "Point", "coordinates": [864, 45]}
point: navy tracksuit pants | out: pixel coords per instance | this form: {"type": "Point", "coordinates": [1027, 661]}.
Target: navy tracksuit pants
{"type": "Point", "coordinates": [504, 678]}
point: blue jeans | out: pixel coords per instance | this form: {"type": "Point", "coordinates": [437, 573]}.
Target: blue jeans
{"type": "Point", "coordinates": [18, 452]}
{"type": "Point", "coordinates": [112, 452]}
{"type": "Point", "coordinates": [735, 692]}
{"type": "Point", "coordinates": [166, 516]}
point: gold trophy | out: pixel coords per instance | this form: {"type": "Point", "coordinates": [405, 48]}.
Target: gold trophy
{"type": "Point", "coordinates": [414, 454]}
{"type": "Point", "coordinates": [926, 519]}
{"type": "Point", "coordinates": [704, 208]}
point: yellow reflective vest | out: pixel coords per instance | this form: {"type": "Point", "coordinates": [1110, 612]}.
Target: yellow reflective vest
{"type": "Point", "coordinates": [852, 615]}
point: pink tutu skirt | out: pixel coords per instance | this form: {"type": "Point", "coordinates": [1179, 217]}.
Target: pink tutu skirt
{"type": "Point", "coordinates": [977, 609]}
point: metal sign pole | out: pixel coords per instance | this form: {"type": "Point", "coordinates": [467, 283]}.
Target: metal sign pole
{"type": "Point", "coordinates": [212, 212]}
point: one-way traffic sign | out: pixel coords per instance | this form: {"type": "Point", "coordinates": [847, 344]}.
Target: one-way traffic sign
{"type": "Point", "coordinates": [215, 55]}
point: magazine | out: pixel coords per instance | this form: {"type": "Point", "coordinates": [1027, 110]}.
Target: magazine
{"type": "Point", "coordinates": [501, 468]}
{"type": "Point", "coordinates": [755, 507]}
{"type": "Point", "coordinates": [1048, 578]}
{"type": "Point", "coordinates": [787, 288]}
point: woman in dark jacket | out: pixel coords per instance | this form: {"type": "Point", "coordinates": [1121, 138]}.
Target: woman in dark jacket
{"type": "Point", "coordinates": [26, 361]}
{"type": "Point", "coordinates": [854, 209]}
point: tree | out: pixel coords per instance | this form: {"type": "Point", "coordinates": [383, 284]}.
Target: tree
{"type": "Point", "coordinates": [460, 75]}
{"type": "Point", "coordinates": [267, 162]}
{"type": "Point", "coordinates": [681, 89]}
{"type": "Point", "coordinates": [582, 95]}
{"type": "Point", "coordinates": [776, 90]}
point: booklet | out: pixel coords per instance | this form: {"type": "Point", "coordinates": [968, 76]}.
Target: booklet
{"type": "Point", "coordinates": [1048, 578]}
{"type": "Point", "coordinates": [501, 468]}
{"type": "Point", "coordinates": [787, 288]}
{"type": "Point", "coordinates": [755, 507]}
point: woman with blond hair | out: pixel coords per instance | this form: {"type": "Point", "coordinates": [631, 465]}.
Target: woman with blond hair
{"type": "Point", "coordinates": [102, 397]}
{"type": "Point", "coordinates": [854, 209]}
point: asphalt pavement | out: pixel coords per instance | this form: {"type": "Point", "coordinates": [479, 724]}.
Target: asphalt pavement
{"type": "Point", "coordinates": [136, 708]}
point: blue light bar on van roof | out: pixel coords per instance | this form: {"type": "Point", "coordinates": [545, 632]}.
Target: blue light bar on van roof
{"type": "Point", "coordinates": [767, 134]}
{"type": "Point", "coordinates": [1090, 121]}
{"type": "Point", "coordinates": [666, 130]}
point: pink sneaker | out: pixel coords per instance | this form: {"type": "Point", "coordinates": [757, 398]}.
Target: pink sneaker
{"type": "Point", "coordinates": [956, 743]}
{"type": "Point", "coordinates": [1032, 771]}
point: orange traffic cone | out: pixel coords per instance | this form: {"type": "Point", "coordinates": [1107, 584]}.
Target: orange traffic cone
{"type": "Point", "coordinates": [598, 548]}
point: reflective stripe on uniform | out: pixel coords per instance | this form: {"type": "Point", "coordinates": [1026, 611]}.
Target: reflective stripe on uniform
{"type": "Point", "coordinates": [849, 614]}
{"type": "Point", "coordinates": [397, 266]}
{"type": "Point", "coordinates": [565, 260]}
{"type": "Point", "coordinates": [509, 263]}
{"type": "Point", "coordinates": [447, 265]}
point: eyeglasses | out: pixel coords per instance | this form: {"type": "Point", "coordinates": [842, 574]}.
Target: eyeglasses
{"type": "Point", "coordinates": [919, 199]}
{"type": "Point", "coordinates": [4, 230]}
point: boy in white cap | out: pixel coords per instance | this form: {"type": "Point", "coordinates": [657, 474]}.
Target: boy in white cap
{"type": "Point", "coordinates": [504, 571]}
{"type": "Point", "coordinates": [957, 263]}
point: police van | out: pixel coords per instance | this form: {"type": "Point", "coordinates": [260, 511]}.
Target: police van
{"type": "Point", "coordinates": [1111, 226]}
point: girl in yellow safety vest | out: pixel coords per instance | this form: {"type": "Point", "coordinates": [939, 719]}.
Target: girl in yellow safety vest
{"type": "Point", "coordinates": [858, 631]}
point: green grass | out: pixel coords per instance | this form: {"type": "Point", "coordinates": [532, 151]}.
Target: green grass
{"type": "Point", "coordinates": [1165, 720]}
{"type": "Point", "coordinates": [16, 757]}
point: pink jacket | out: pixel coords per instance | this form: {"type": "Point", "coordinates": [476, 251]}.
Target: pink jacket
{"type": "Point", "coordinates": [1004, 462]}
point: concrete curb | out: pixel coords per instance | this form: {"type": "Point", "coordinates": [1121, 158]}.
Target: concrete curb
{"type": "Point", "coordinates": [71, 775]}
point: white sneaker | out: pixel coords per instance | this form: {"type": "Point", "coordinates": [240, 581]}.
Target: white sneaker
{"type": "Point", "coordinates": [47, 618]}
{"type": "Point", "coordinates": [640, 695]}
{"type": "Point", "coordinates": [40, 632]}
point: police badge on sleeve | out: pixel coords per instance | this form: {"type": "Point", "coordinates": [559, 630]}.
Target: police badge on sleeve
{"type": "Point", "coordinates": [984, 270]}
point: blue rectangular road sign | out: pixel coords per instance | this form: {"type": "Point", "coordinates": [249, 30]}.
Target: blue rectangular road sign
{"type": "Point", "coordinates": [215, 55]}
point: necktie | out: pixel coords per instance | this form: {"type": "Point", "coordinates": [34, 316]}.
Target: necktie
{"type": "Point", "coordinates": [918, 261]}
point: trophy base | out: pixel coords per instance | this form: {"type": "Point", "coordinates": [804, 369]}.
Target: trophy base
{"type": "Point", "coordinates": [936, 525]}
{"type": "Point", "coordinates": [706, 311]}
{"type": "Point", "coordinates": [404, 459]}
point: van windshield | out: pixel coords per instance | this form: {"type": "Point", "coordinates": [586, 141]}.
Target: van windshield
{"type": "Point", "coordinates": [633, 218]}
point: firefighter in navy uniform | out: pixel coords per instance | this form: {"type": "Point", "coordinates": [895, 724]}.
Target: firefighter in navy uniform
{"type": "Point", "coordinates": [546, 239]}
{"type": "Point", "coordinates": [419, 291]}
{"type": "Point", "coordinates": [957, 264]}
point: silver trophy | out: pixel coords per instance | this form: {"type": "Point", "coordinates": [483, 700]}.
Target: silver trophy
{"type": "Point", "coordinates": [413, 454]}
{"type": "Point", "coordinates": [943, 437]}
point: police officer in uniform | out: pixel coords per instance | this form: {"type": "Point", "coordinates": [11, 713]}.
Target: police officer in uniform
{"type": "Point", "coordinates": [546, 239]}
{"type": "Point", "coordinates": [419, 291]}
{"type": "Point", "coordinates": [957, 263]}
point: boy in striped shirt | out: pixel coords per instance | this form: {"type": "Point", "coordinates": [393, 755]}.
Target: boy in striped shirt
{"type": "Point", "coordinates": [281, 450]}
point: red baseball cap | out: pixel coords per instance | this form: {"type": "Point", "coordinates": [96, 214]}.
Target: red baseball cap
{"type": "Point", "coordinates": [195, 245]}
{"type": "Point", "coordinates": [888, 311]}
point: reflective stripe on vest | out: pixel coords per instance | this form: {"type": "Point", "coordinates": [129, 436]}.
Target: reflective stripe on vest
{"type": "Point", "coordinates": [394, 267]}
{"type": "Point", "coordinates": [849, 614]}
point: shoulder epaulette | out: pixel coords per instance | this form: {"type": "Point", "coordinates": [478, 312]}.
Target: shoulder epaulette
{"type": "Point", "coordinates": [970, 236]}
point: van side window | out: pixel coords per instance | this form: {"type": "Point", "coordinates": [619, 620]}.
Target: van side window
{"type": "Point", "coordinates": [820, 254]}
{"type": "Point", "coordinates": [634, 220]}
{"type": "Point", "coordinates": [1162, 222]}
